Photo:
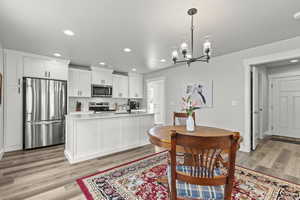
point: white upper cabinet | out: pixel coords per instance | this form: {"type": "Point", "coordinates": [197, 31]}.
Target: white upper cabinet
{"type": "Point", "coordinates": [101, 76]}
{"type": "Point", "coordinates": [135, 85]}
{"type": "Point", "coordinates": [57, 70]}
{"type": "Point", "coordinates": [120, 86]}
{"type": "Point", "coordinates": [44, 68]}
{"type": "Point", "coordinates": [79, 83]}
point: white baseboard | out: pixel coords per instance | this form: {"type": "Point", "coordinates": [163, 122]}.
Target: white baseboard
{"type": "Point", "coordinates": [77, 159]}
{"type": "Point", "coordinates": [244, 148]}
{"type": "Point", "coordinates": [12, 148]}
{"type": "Point", "coordinates": [267, 133]}
{"type": "Point", "coordinates": [1, 153]}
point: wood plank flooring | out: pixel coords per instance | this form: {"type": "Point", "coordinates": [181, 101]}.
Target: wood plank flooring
{"type": "Point", "coordinates": [46, 174]}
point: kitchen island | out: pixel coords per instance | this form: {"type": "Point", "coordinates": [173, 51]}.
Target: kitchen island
{"type": "Point", "coordinates": [93, 135]}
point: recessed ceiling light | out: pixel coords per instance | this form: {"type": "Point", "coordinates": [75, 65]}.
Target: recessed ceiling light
{"type": "Point", "coordinates": [294, 61]}
{"type": "Point", "coordinates": [297, 15]}
{"type": "Point", "coordinates": [102, 63]}
{"type": "Point", "coordinates": [57, 54]}
{"type": "Point", "coordinates": [133, 69]}
{"type": "Point", "coordinates": [162, 60]}
{"type": "Point", "coordinates": [127, 50]}
{"type": "Point", "coordinates": [69, 33]}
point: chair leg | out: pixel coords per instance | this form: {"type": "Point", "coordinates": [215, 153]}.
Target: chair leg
{"type": "Point", "coordinates": [228, 191]}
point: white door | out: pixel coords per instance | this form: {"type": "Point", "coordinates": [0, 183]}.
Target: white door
{"type": "Point", "coordinates": [286, 107]}
{"type": "Point", "coordinates": [256, 82]}
{"type": "Point", "coordinates": [156, 101]}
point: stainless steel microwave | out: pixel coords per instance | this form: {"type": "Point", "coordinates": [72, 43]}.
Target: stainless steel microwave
{"type": "Point", "coordinates": [101, 91]}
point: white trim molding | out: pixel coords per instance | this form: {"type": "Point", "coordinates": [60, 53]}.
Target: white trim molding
{"type": "Point", "coordinates": [247, 69]}
{"type": "Point", "coordinates": [1, 153]}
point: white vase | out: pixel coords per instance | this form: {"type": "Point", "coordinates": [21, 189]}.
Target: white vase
{"type": "Point", "coordinates": [190, 125]}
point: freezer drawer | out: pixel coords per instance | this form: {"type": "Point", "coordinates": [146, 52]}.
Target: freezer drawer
{"type": "Point", "coordinates": [44, 133]}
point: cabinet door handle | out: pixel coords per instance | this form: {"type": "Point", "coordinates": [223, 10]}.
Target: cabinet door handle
{"type": "Point", "coordinates": [49, 74]}
{"type": "Point", "coordinates": [19, 82]}
{"type": "Point", "coordinates": [19, 90]}
{"type": "Point", "coordinates": [46, 74]}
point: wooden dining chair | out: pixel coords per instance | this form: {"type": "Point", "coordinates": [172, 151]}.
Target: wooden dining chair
{"type": "Point", "coordinates": [178, 115]}
{"type": "Point", "coordinates": [204, 177]}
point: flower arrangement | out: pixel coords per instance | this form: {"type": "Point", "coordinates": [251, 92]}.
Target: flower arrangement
{"type": "Point", "coordinates": [189, 106]}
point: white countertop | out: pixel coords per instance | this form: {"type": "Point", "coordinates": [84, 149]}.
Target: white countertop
{"type": "Point", "coordinates": [105, 115]}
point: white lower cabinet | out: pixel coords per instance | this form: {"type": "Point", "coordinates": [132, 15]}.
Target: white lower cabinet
{"type": "Point", "coordinates": [87, 137]}
{"type": "Point", "coordinates": [146, 122]}
{"type": "Point", "coordinates": [110, 134]}
{"type": "Point", "coordinates": [130, 131]}
{"type": "Point", "coordinates": [90, 138]}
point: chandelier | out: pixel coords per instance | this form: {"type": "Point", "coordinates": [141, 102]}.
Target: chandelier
{"type": "Point", "coordinates": [189, 57]}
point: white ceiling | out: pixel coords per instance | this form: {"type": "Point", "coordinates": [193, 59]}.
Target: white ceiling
{"type": "Point", "coordinates": [151, 28]}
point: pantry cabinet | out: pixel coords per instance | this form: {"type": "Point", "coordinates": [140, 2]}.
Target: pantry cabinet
{"type": "Point", "coordinates": [13, 112]}
{"type": "Point", "coordinates": [79, 83]}
{"type": "Point", "coordinates": [135, 85]}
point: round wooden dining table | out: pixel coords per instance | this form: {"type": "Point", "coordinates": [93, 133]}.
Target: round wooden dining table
{"type": "Point", "coordinates": [161, 135]}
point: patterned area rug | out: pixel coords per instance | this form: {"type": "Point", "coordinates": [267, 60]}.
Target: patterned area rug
{"type": "Point", "coordinates": [139, 180]}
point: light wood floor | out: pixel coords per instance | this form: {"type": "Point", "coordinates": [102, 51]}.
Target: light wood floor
{"type": "Point", "coordinates": [45, 174]}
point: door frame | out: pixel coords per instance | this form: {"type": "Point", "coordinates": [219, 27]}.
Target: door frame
{"type": "Point", "coordinates": [247, 63]}
{"type": "Point", "coordinates": [162, 78]}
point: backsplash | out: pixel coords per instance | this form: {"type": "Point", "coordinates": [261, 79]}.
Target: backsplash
{"type": "Point", "coordinates": [85, 102]}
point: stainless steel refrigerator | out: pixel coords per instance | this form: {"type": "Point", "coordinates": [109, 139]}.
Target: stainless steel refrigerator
{"type": "Point", "coordinates": [44, 108]}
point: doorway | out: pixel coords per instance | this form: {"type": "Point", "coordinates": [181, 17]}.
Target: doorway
{"type": "Point", "coordinates": [275, 100]}
{"type": "Point", "coordinates": [156, 99]}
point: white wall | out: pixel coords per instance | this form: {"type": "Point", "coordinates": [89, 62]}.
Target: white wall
{"type": "Point", "coordinates": [1, 107]}
{"type": "Point", "coordinates": [228, 75]}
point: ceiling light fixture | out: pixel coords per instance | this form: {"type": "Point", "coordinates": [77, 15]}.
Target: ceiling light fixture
{"type": "Point", "coordinates": [127, 50]}
{"type": "Point", "coordinates": [162, 60]}
{"type": "Point", "coordinates": [189, 57]}
{"type": "Point", "coordinates": [102, 63]}
{"type": "Point", "coordinates": [133, 69]}
{"type": "Point", "coordinates": [57, 54]}
{"type": "Point", "coordinates": [294, 61]}
{"type": "Point", "coordinates": [297, 15]}
{"type": "Point", "coordinates": [69, 33]}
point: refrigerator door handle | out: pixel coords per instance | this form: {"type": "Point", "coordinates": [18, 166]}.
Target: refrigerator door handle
{"type": "Point", "coordinates": [46, 122]}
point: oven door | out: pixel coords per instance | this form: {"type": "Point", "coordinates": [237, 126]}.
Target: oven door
{"type": "Point", "coordinates": [101, 91]}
